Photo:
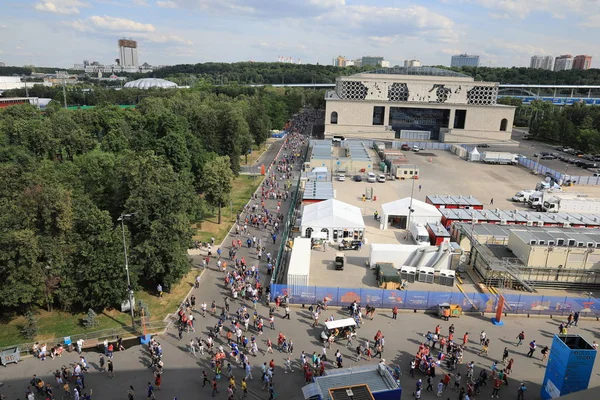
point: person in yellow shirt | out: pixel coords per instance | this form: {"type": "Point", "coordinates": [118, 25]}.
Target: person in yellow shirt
{"type": "Point", "coordinates": [232, 382]}
{"type": "Point", "coordinates": [244, 387]}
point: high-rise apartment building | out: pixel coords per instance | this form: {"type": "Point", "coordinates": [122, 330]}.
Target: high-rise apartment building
{"type": "Point", "coordinates": [464, 60]}
{"type": "Point", "coordinates": [563, 62]}
{"type": "Point", "coordinates": [339, 61]}
{"type": "Point", "coordinates": [542, 62]}
{"type": "Point", "coordinates": [582, 62]}
{"type": "Point", "coordinates": [412, 63]}
{"type": "Point", "coordinates": [128, 56]}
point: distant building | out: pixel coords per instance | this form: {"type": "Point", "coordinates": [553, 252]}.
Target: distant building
{"type": "Point", "coordinates": [412, 63]}
{"type": "Point", "coordinates": [339, 61]}
{"type": "Point", "coordinates": [582, 62]}
{"type": "Point", "coordinates": [128, 53]}
{"type": "Point", "coordinates": [385, 64]}
{"type": "Point", "coordinates": [542, 62]}
{"type": "Point", "coordinates": [464, 60]}
{"type": "Point", "coordinates": [373, 61]}
{"type": "Point", "coordinates": [349, 63]}
{"type": "Point", "coordinates": [563, 62]}
{"type": "Point", "coordinates": [357, 63]}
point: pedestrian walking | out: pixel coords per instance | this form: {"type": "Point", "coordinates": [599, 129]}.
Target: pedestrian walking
{"type": "Point", "coordinates": [505, 355]}
{"type": "Point", "coordinates": [215, 390]}
{"type": "Point", "coordinates": [576, 318]}
{"type": "Point", "coordinates": [151, 391]}
{"type": "Point", "coordinates": [429, 387]}
{"type": "Point", "coordinates": [244, 386]}
{"type": "Point", "coordinates": [492, 201]}
{"type": "Point", "coordinates": [465, 339]}
{"type": "Point", "coordinates": [413, 365]}
{"type": "Point", "coordinates": [205, 379]}
{"type": "Point", "coordinates": [287, 312]}
{"type": "Point", "coordinates": [130, 393]}
{"type": "Point", "coordinates": [521, 391]}
{"type": "Point", "coordinates": [110, 367]}
{"type": "Point", "coordinates": [440, 388]}
{"type": "Point", "coordinates": [532, 347]}
{"type": "Point", "coordinates": [520, 337]}
{"type": "Point", "coordinates": [193, 347]}
{"type": "Point", "coordinates": [395, 312]}
{"type": "Point", "coordinates": [545, 352]}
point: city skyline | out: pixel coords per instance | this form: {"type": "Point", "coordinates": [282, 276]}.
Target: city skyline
{"type": "Point", "coordinates": [63, 32]}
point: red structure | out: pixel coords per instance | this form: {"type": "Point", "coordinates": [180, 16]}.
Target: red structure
{"type": "Point", "coordinates": [437, 234]}
{"type": "Point", "coordinates": [11, 101]}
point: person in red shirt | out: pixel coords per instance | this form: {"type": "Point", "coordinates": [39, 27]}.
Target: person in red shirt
{"type": "Point", "coordinates": [465, 339]}
{"type": "Point", "coordinates": [496, 390]}
{"type": "Point", "coordinates": [272, 364]}
{"type": "Point", "coordinates": [438, 329]}
{"type": "Point", "coordinates": [308, 376]}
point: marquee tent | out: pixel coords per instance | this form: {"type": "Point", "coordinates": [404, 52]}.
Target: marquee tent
{"type": "Point", "coordinates": [336, 219]}
{"type": "Point", "coordinates": [395, 213]}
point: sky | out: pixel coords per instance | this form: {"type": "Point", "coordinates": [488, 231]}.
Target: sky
{"type": "Point", "coordinates": [503, 33]}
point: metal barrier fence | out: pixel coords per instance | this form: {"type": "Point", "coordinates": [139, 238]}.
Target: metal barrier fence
{"type": "Point", "coordinates": [543, 170]}
{"type": "Point", "coordinates": [111, 334]}
{"type": "Point", "coordinates": [425, 300]}
{"type": "Point", "coordinates": [289, 222]}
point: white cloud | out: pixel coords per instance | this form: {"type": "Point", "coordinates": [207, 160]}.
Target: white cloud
{"type": "Point", "coordinates": [119, 24]}
{"type": "Point", "coordinates": [143, 3]}
{"type": "Point", "coordinates": [522, 8]}
{"type": "Point", "coordinates": [61, 6]}
{"type": "Point", "coordinates": [166, 4]}
{"type": "Point", "coordinates": [519, 48]}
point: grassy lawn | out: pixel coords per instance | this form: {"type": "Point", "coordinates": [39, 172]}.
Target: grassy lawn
{"type": "Point", "coordinates": [243, 187]}
{"type": "Point", "coordinates": [58, 324]}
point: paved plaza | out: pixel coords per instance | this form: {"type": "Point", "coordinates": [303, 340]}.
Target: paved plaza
{"type": "Point", "coordinates": [182, 378]}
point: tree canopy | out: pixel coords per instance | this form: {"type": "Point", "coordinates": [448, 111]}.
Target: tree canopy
{"type": "Point", "coordinates": [67, 175]}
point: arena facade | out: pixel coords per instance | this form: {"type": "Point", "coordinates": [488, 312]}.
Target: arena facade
{"type": "Point", "coordinates": [415, 104]}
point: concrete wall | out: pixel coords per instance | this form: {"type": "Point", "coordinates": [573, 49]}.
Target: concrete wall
{"type": "Point", "coordinates": [355, 119]}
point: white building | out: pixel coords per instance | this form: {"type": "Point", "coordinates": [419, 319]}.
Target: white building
{"type": "Point", "coordinates": [425, 102]}
{"type": "Point", "coordinates": [542, 62]}
{"type": "Point", "coordinates": [396, 213]}
{"type": "Point", "coordinates": [412, 63]}
{"type": "Point", "coordinates": [334, 219]}
{"type": "Point", "coordinates": [128, 54]}
{"type": "Point", "coordinates": [563, 62]}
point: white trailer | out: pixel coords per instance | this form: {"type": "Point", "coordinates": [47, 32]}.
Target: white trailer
{"type": "Point", "coordinates": [299, 267]}
{"type": "Point", "coordinates": [580, 205]}
{"type": "Point", "coordinates": [392, 253]}
{"type": "Point", "coordinates": [419, 234]}
{"type": "Point", "coordinates": [499, 157]}
{"type": "Point", "coordinates": [536, 200]}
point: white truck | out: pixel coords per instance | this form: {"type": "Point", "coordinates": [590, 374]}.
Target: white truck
{"type": "Point", "coordinates": [580, 205]}
{"type": "Point", "coordinates": [419, 234]}
{"type": "Point", "coordinates": [522, 196]}
{"type": "Point", "coordinates": [499, 157]}
{"type": "Point", "coordinates": [536, 200]}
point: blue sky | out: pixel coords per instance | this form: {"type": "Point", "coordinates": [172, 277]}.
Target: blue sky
{"type": "Point", "coordinates": [503, 32]}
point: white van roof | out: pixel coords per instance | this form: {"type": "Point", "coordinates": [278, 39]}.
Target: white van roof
{"type": "Point", "coordinates": [340, 323]}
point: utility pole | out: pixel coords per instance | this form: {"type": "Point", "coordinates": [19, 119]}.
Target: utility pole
{"type": "Point", "coordinates": [129, 289]}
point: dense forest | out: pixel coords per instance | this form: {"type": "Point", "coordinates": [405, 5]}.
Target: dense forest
{"type": "Point", "coordinates": [66, 176]}
{"type": "Point", "coordinates": [276, 73]}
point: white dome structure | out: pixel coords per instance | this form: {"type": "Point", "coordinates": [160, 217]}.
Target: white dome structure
{"type": "Point", "coordinates": [147, 83]}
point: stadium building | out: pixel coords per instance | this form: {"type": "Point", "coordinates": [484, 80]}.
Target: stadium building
{"type": "Point", "coordinates": [417, 103]}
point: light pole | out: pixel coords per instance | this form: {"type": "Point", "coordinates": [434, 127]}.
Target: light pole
{"type": "Point", "coordinates": [122, 218]}
{"type": "Point", "coordinates": [410, 209]}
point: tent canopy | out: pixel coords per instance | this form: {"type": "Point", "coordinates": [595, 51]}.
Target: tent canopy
{"type": "Point", "coordinates": [332, 214]}
{"type": "Point", "coordinates": [400, 207]}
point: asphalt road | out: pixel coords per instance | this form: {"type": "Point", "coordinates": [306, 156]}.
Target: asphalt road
{"type": "Point", "coordinates": [528, 148]}
{"type": "Point", "coordinates": [266, 158]}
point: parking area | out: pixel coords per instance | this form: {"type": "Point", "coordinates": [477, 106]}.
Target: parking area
{"type": "Point", "coordinates": [530, 148]}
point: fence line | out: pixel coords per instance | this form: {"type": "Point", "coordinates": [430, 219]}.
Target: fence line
{"type": "Point", "coordinates": [428, 300]}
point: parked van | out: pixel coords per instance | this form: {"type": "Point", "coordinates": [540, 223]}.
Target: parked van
{"type": "Point", "coordinates": [419, 234]}
{"type": "Point", "coordinates": [371, 177]}
{"type": "Point", "coordinates": [523, 196]}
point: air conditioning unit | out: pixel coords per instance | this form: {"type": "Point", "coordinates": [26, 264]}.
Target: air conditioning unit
{"type": "Point", "coordinates": [529, 223]}
{"type": "Point", "coordinates": [475, 221]}
{"type": "Point", "coordinates": [566, 225]}
{"type": "Point", "coordinates": [540, 223]}
{"type": "Point", "coordinates": [503, 222]}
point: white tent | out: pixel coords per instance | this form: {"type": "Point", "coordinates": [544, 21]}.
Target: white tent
{"type": "Point", "coordinates": [474, 155]}
{"type": "Point", "coordinates": [336, 219]}
{"type": "Point", "coordinates": [396, 213]}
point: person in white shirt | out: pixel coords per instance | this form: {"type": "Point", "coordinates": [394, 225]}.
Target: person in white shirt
{"type": "Point", "coordinates": [80, 343]}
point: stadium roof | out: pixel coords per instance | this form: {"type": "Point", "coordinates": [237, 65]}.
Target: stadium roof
{"type": "Point", "coordinates": [424, 71]}
{"type": "Point", "coordinates": [147, 83]}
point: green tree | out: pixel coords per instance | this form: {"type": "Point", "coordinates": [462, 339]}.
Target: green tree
{"type": "Point", "coordinates": [91, 319]}
{"type": "Point", "coordinates": [30, 329]}
{"type": "Point", "coordinates": [218, 183]}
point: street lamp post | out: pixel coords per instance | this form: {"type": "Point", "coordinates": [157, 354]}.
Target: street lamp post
{"type": "Point", "coordinates": [410, 209]}
{"type": "Point", "coordinates": [129, 290]}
